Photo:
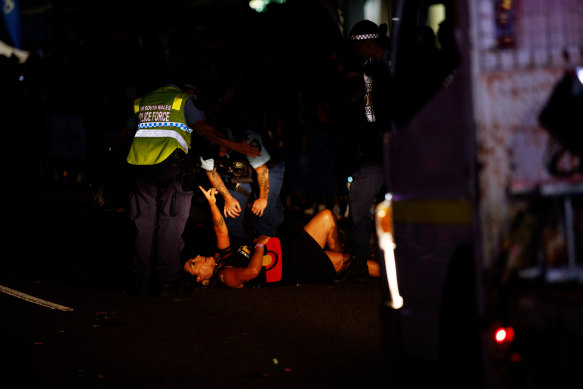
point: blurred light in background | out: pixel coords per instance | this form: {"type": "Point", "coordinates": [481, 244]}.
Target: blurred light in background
{"type": "Point", "coordinates": [435, 15]}
{"type": "Point", "coordinates": [376, 11]}
{"type": "Point", "coordinates": [259, 5]}
{"type": "Point", "coordinates": [504, 335]}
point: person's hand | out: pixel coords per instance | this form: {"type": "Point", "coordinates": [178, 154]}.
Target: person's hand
{"type": "Point", "coordinates": [232, 207]}
{"type": "Point", "coordinates": [245, 148]}
{"type": "Point", "coordinates": [209, 194]}
{"type": "Point", "coordinates": [259, 206]}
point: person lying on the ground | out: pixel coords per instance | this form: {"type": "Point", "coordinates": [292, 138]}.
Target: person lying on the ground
{"type": "Point", "coordinates": [314, 254]}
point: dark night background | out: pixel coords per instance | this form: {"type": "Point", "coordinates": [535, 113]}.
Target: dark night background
{"type": "Point", "coordinates": [89, 61]}
{"type": "Point", "coordinates": [59, 114]}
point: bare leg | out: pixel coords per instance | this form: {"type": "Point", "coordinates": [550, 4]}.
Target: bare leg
{"type": "Point", "coordinates": [374, 269]}
{"type": "Point", "coordinates": [332, 240]}
{"type": "Point", "coordinates": [324, 229]}
{"type": "Point", "coordinates": [339, 260]}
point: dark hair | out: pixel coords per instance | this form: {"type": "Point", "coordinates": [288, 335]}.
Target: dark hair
{"type": "Point", "coordinates": [220, 263]}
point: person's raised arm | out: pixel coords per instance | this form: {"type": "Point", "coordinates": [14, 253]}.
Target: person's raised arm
{"type": "Point", "coordinates": [221, 230]}
{"type": "Point", "coordinates": [204, 129]}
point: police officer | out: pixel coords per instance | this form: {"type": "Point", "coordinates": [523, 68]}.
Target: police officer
{"type": "Point", "coordinates": [164, 121]}
{"type": "Point", "coordinates": [242, 180]}
{"type": "Point", "coordinates": [370, 45]}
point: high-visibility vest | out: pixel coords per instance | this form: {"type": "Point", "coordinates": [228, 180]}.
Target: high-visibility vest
{"type": "Point", "coordinates": [162, 126]}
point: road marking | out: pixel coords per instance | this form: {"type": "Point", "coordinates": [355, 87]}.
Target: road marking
{"type": "Point", "coordinates": [32, 299]}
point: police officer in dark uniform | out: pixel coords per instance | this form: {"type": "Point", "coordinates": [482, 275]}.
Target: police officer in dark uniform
{"type": "Point", "coordinates": [369, 43]}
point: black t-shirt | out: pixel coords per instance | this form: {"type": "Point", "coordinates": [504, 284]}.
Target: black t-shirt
{"type": "Point", "coordinates": [303, 261]}
{"type": "Point", "coordinates": [240, 258]}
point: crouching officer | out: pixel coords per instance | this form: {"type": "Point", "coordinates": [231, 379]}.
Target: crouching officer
{"type": "Point", "coordinates": [164, 121]}
{"type": "Point", "coordinates": [243, 180]}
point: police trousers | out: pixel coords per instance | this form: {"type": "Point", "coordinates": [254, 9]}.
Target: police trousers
{"type": "Point", "coordinates": [366, 187]}
{"type": "Point", "coordinates": [159, 208]}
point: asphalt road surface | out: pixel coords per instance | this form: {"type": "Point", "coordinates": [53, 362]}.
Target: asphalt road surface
{"type": "Point", "coordinates": [306, 336]}
{"type": "Point", "coordinates": [67, 320]}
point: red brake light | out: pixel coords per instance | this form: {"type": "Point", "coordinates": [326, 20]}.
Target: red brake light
{"type": "Point", "coordinates": [500, 335]}
{"type": "Point", "coordinates": [504, 335]}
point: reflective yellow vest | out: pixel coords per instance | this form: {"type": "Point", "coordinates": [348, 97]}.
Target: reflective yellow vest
{"type": "Point", "coordinates": [162, 127]}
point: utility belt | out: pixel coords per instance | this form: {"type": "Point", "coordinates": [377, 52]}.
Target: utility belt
{"type": "Point", "coordinates": [188, 169]}
{"type": "Point", "coordinates": [235, 184]}
{"type": "Point", "coordinates": [234, 173]}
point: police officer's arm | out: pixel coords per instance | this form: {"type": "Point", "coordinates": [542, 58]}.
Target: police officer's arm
{"type": "Point", "coordinates": [232, 206]}
{"type": "Point", "coordinates": [196, 119]}
{"type": "Point", "coordinates": [203, 128]}
{"type": "Point", "coordinates": [259, 164]}
{"type": "Point", "coordinates": [235, 277]}
{"type": "Point", "coordinates": [260, 204]}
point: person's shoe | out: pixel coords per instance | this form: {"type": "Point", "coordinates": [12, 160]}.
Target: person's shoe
{"type": "Point", "coordinates": [357, 271]}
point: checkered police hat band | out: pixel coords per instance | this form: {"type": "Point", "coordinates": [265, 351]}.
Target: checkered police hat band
{"type": "Point", "coordinates": [363, 37]}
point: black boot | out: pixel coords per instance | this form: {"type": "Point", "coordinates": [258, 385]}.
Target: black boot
{"type": "Point", "coordinates": [357, 271]}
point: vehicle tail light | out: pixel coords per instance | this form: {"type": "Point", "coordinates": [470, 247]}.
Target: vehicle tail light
{"type": "Point", "coordinates": [504, 335]}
